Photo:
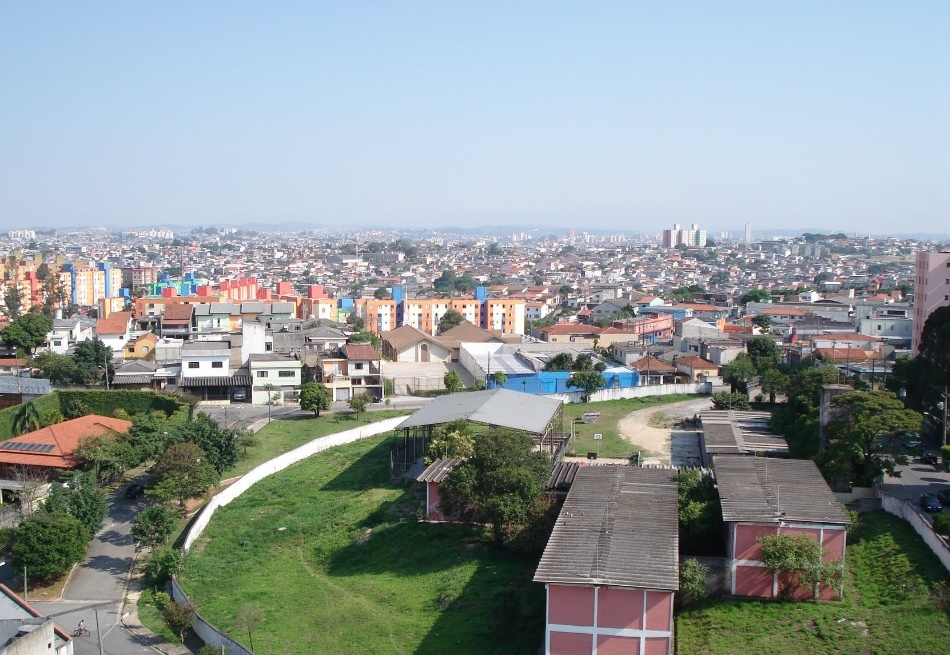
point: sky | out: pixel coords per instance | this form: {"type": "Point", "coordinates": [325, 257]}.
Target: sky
{"type": "Point", "coordinates": [612, 115]}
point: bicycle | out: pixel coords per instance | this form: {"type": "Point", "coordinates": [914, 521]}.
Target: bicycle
{"type": "Point", "coordinates": [81, 632]}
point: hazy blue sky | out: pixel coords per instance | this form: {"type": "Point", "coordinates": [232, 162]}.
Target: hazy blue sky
{"type": "Point", "coordinates": [828, 114]}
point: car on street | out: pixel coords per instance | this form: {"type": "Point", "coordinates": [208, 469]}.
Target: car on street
{"type": "Point", "coordinates": [134, 490]}
{"type": "Point", "coordinates": [930, 458]}
{"type": "Point", "coordinates": [930, 502]}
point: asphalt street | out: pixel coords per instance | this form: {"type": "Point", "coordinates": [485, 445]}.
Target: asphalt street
{"type": "Point", "coordinates": [917, 478]}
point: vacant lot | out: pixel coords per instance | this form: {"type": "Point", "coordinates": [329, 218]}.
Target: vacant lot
{"type": "Point", "coordinates": [331, 553]}
{"type": "Point", "coordinates": [888, 608]}
{"type": "Point", "coordinates": [611, 413]}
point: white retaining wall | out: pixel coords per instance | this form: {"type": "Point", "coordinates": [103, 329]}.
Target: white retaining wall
{"type": "Point", "coordinates": [206, 631]}
{"type": "Point", "coordinates": [634, 392]}
{"type": "Point", "coordinates": [908, 512]}
{"type": "Point", "coordinates": [279, 464]}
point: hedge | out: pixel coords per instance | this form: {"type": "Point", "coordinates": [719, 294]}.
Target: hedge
{"type": "Point", "coordinates": [103, 403]}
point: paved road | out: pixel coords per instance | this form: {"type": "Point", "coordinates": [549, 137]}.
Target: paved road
{"type": "Point", "coordinates": [917, 478]}
{"type": "Point", "coordinates": [97, 586]}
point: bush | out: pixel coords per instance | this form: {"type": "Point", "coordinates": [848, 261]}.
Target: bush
{"type": "Point", "coordinates": [178, 618]}
{"type": "Point", "coordinates": [693, 586]}
{"type": "Point", "coordinates": [945, 454]}
{"type": "Point", "coordinates": [726, 400]}
{"type": "Point", "coordinates": [161, 565]}
{"type": "Point", "coordinates": [942, 524]}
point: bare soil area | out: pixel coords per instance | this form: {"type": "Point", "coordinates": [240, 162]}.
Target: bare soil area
{"type": "Point", "coordinates": [650, 428]}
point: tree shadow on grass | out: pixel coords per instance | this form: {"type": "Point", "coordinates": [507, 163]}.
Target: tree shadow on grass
{"type": "Point", "coordinates": [499, 609]}
{"type": "Point", "coordinates": [371, 470]}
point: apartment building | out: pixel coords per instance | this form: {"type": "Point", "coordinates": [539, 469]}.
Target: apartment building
{"type": "Point", "coordinates": [931, 289]}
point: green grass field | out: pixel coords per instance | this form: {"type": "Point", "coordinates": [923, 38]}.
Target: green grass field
{"type": "Point", "coordinates": [283, 435]}
{"type": "Point", "coordinates": [611, 412]}
{"type": "Point", "coordinates": [331, 552]}
{"type": "Point", "coordinates": [887, 608]}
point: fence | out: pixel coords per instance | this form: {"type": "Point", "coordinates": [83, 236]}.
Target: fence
{"type": "Point", "coordinates": [908, 512]}
{"type": "Point", "coordinates": [636, 392]}
{"type": "Point", "coordinates": [207, 631]}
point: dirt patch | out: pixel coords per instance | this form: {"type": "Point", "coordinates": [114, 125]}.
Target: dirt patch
{"type": "Point", "coordinates": [650, 428]}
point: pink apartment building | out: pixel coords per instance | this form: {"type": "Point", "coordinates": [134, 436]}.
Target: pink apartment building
{"type": "Point", "coordinates": [611, 565]}
{"type": "Point", "coordinates": [931, 289]}
{"type": "Point", "coordinates": [763, 496]}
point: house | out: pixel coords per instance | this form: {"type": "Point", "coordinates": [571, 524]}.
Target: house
{"type": "Point", "coordinates": [115, 330]}
{"type": "Point", "coordinates": [69, 331]}
{"type": "Point", "coordinates": [611, 565]}
{"type": "Point", "coordinates": [12, 365]}
{"type": "Point", "coordinates": [177, 321]}
{"type": "Point", "coordinates": [206, 371]}
{"type": "Point", "coordinates": [408, 344]}
{"type": "Point", "coordinates": [26, 631]}
{"type": "Point", "coordinates": [53, 448]}
{"type": "Point", "coordinates": [695, 367]}
{"type": "Point", "coordinates": [276, 378]}
{"type": "Point", "coordinates": [137, 374]}
{"type": "Point", "coordinates": [762, 497]}
{"type": "Point", "coordinates": [654, 371]}
{"type": "Point", "coordinates": [141, 347]}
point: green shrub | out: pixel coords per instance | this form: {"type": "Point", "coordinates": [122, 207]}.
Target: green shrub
{"type": "Point", "coordinates": [161, 565]}
{"type": "Point", "coordinates": [942, 524]}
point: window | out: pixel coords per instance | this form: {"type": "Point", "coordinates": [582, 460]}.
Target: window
{"type": "Point", "coordinates": [358, 367]}
{"type": "Point", "coordinates": [217, 364]}
{"type": "Point", "coordinates": [58, 342]}
{"type": "Point", "coordinates": [268, 347]}
{"type": "Point", "coordinates": [262, 374]}
{"type": "Point", "coordinates": [285, 374]}
{"type": "Point", "coordinates": [192, 364]}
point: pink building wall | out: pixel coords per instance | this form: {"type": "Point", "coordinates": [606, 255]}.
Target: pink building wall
{"type": "Point", "coordinates": [749, 577]}
{"type": "Point", "coordinates": [432, 502]}
{"type": "Point", "coordinates": [931, 289]}
{"type": "Point", "coordinates": [618, 621]}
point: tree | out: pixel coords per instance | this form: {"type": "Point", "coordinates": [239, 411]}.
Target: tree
{"type": "Point", "coordinates": [860, 446]}
{"type": "Point", "coordinates": [359, 403]}
{"type": "Point", "coordinates": [584, 362]}
{"type": "Point", "coordinates": [499, 484]}
{"type": "Point", "coordinates": [738, 373]}
{"type": "Point", "coordinates": [315, 397]}
{"type": "Point", "coordinates": [774, 382]}
{"type": "Point", "coordinates": [755, 295]}
{"type": "Point", "coordinates": [587, 381]}
{"type": "Point", "coordinates": [693, 585]}
{"type": "Point", "coordinates": [499, 378]}
{"type": "Point", "coordinates": [13, 299]}
{"type": "Point", "coordinates": [26, 419]}
{"type": "Point", "coordinates": [219, 445]}
{"type": "Point", "coordinates": [272, 397]}
{"type": "Point", "coordinates": [451, 440]}
{"type": "Point", "coordinates": [763, 321]}
{"type": "Point", "coordinates": [49, 544]}
{"type": "Point", "coordinates": [764, 353]}
{"type": "Point", "coordinates": [381, 293]}
{"type": "Point", "coordinates": [935, 343]}
{"type": "Point", "coordinates": [58, 369]}
{"type": "Point", "coordinates": [79, 497]}
{"type": "Point", "coordinates": [700, 516]}
{"type": "Point", "coordinates": [356, 322]}
{"type": "Point", "coordinates": [725, 400]}
{"type": "Point", "coordinates": [249, 619]}
{"type": "Point", "coordinates": [183, 472]}
{"type": "Point", "coordinates": [178, 618]}
{"type": "Point", "coordinates": [798, 561]}
{"type": "Point", "coordinates": [449, 320]}
{"type": "Point", "coordinates": [560, 362]}
{"type": "Point", "coordinates": [27, 332]}
{"type": "Point", "coordinates": [93, 361]}
{"type": "Point", "coordinates": [797, 418]}
{"type": "Point", "coordinates": [152, 526]}
{"type": "Point", "coordinates": [452, 381]}
{"type": "Point", "coordinates": [109, 456]}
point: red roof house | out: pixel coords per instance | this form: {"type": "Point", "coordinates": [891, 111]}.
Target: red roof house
{"type": "Point", "coordinates": [54, 446]}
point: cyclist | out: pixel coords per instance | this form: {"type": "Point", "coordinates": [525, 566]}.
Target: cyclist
{"type": "Point", "coordinates": [82, 626]}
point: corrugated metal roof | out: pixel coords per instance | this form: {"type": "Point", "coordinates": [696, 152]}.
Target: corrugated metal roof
{"type": "Point", "coordinates": [509, 409]}
{"type": "Point", "coordinates": [768, 490]}
{"type": "Point", "coordinates": [139, 378]}
{"type": "Point", "coordinates": [217, 381]}
{"type": "Point", "coordinates": [736, 432]}
{"type": "Point", "coordinates": [619, 526]}
{"type": "Point", "coordinates": [562, 476]}
{"type": "Point", "coordinates": [438, 470]}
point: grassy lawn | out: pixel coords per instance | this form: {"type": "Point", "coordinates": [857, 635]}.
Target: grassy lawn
{"type": "Point", "coordinates": [611, 412]}
{"type": "Point", "coordinates": [284, 434]}
{"type": "Point", "coordinates": [887, 609]}
{"type": "Point", "coordinates": [330, 551]}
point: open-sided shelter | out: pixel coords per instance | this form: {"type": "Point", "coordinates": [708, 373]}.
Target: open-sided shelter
{"type": "Point", "coordinates": [538, 416]}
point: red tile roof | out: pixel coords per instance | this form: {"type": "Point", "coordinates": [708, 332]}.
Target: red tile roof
{"type": "Point", "coordinates": [115, 323]}
{"type": "Point", "coordinates": [360, 351]}
{"type": "Point", "coordinates": [64, 438]}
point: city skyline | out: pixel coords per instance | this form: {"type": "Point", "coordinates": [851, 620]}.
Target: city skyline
{"type": "Point", "coordinates": [613, 117]}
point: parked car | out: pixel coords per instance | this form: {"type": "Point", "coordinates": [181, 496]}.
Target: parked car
{"type": "Point", "coordinates": [944, 496]}
{"type": "Point", "coordinates": [930, 458]}
{"type": "Point", "coordinates": [134, 490]}
{"type": "Point", "coordinates": [930, 502]}
{"type": "Point", "coordinates": [911, 439]}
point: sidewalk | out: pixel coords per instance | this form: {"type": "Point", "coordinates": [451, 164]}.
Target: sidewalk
{"type": "Point", "coordinates": [129, 616]}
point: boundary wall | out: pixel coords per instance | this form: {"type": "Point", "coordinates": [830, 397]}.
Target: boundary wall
{"type": "Point", "coordinates": [908, 512]}
{"type": "Point", "coordinates": [635, 392]}
{"type": "Point", "coordinates": [205, 630]}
